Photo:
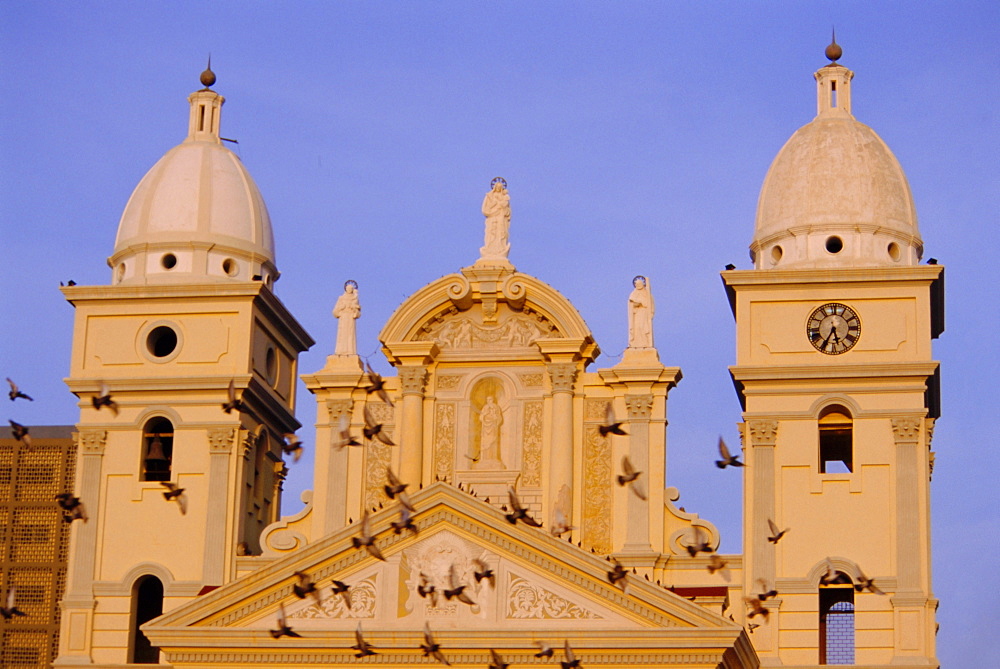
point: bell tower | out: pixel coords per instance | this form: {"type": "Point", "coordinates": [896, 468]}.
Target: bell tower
{"type": "Point", "coordinates": [188, 319]}
{"type": "Point", "coordinates": [839, 389]}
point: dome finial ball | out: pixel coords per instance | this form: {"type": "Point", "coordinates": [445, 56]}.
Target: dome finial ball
{"type": "Point", "coordinates": [208, 77]}
{"type": "Point", "coordinates": [834, 52]}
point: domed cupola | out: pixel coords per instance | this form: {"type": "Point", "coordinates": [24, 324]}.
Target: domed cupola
{"type": "Point", "coordinates": [197, 216]}
{"type": "Point", "coordinates": [835, 196]}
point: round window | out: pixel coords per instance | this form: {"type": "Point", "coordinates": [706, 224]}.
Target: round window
{"type": "Point", "coordinates": [161, 341]}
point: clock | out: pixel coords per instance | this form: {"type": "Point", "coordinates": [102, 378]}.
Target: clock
{"type": "Point", "coordinates": [833, 328]}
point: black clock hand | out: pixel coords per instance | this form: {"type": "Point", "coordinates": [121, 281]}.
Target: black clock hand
{"type": "Point", "coordinates": [827, 340]}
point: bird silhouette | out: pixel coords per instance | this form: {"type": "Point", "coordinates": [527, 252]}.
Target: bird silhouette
{"type": "Point", "coordinates": [15, 392]}
{"type": "Point", "coordinates": [366, 539]}
{"type": "Point", "coordinates": [865, 583]}
{"type": "Point", "coordinates": [483, 571]}
{"type": "Point", "coordinates": [283, 627]}
{"type": "Point", "coordinates": [306, 587]}
{"type": "Point", "coordinates": [700, 543]}
{"type": "Point", "coordinates": [9, 609]}
{"type": "Point", "coordinates": [610, 424]}
{"type": "Point", "coordinates": [496, 662]}
{"type": "Point", "coordinates": [377, 385]}
{"type": "Point", "coordinates": [457, 589]}
{"type": "Point", "coordinates": [232, 403]}
{"type": "Point", "coordinates": [405, 522]}
{"type": "Point", "coordinates": [431, 648]}
{"type": "Point", "coordinates": [629, 476]}
{"type": "Point", "coordinates": [544, 649]}
{"type": "Point", "coordinates": [72, 507]}
{"type": "Point", "coordinates": [176, 494]}
{"type": "Point", "coordinates": [103, 399]}
{"type": "Point", "coordinates": [20, 433]}
{"type": "Point", "coordinates": [426, 589]}
{"type": "Point", "coordinates": [776, 534]}
{"type": "Point", "coordinates": [570, 662]}
{"type": "Point", "coordinates": [344, 590]}
{"type": "Point", "coordinates": [344, 437]}
{"type": "Point", "coordinates": [518, 512]}
{"type": "Point", "coordinates": [374, 430]}
{"type": "Point", "coordinates": [363, 647]}
{"type": "Point", "coordinates": [292, 446]}
{"type": "Point", "coordinates": [727, 460]}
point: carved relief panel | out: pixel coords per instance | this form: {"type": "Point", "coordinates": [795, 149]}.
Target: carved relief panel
{"type": "Point", "coordinates": [597, 475]}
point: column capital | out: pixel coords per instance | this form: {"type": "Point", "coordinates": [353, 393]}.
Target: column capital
{"type": "Point", "coordinates": [92, 442]}
{"type": "Point", "coordinates": [412, 380]}
{"type": "Point", "coordinates": [220, 440]}
{"type": "Point", "coordinates": [906, 430]}
{"type": "Point", "coordinates": [563, 376]}
{"type": "Point", "coordinates": [640, 407]}
{"type": "Point", "coordinates": [763, 432]}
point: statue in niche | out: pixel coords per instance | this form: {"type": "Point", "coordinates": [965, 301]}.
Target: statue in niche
{"type": "Point", "coordinates": [487, 425]}
{"type": "Point", "coordinates": [640, 314]}
{"type": "Point", "coordinates": [346, 311]}
{"type": "Point", "coordinates": [496, 209]}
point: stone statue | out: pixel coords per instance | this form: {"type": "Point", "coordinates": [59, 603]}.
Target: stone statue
{"type": "Point", "coordinates": [490, 420]}
{"type": "Point", "coordinates": [346, 312]}
{"type": "Point", "coordinates": [496, 209]}
{"type": "Point", "coordinates": [640, 314]}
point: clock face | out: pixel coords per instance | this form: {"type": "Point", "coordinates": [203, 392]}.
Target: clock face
{"type": "Point", "coordinates": [833, 329]}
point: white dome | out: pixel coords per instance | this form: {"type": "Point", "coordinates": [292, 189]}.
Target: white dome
{"type": "Point", "coordinates": [835, 195]}
{"type": "Point", "coordinates": [197, 215]}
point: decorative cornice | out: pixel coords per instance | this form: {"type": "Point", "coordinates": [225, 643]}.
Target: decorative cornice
{"type": "Point", "coordinates": [336, 408]}
{"type": "Point", "coordinates": [763, 432]}
{"type": "Point", "coordinates": [777, 277]}
{"type": "Point", "coordinates": [834, 371]}
{"type": "Point", "coordinates": [563, 376]}
{"type": "Point", "coordinates": [640, 407]}
{"type": "Point", "coordinates": [92, 442]}
{"type": "Point", "coordinates": [412, 380]}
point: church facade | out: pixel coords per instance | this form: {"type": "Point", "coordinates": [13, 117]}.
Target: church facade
{"type": "Point", "coordinates": [535, 513]}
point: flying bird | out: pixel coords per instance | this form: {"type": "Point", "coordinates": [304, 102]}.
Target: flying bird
{"type": "Point", "coordinates": [757, 607]}
{"type": "Point", "coordinates": [15, 392]}
{"type": "Point", "coordinates": [776, 534]}
{"type": "Point", "coordinates": [405, 522]}
{"type": "Point", "coordinates": [629, 476]}
{"type": "Point", "coordinates": [571, 662]}
{"type": "Point", "coordinates": [765, 593]}
{"type": "Point", "coordinates": [8, 610]}
{"type": "Point", "coordinates": [717, 564]}
{"type": "Point", "coordinates": [431, 648]}
{"type": "Point", "coordinates": [700, 543]}
{"type": "Point", "coordinates": [305, 586]}
{"type": "Point", "coordinates": [496, 662]}
{"type": "Point", "coordinates": [610, 424]}
{"type": "Point", "coordinates": [865, 583]}
{"type": "Point", "coordinates": [393, 486]}
{"type": "Point", "coordinates": [560, 524]}
{"type": "Point", "coordinates": [344, 436]}
{"type": "Point", "coordinates": [425, 588]}
{"type": "Point", "coordinates": [483, 571]}
{"type": "Point", "coordinates": [727, 460]}
{"type": "Point", "coordinates": [544, 649]}
{"type": "Point", "coordinates": [374, 430]}
{"type": "Point", "coordinates": [377, 385]}
{"type": "Point", "coordinates": [20, 433]}
{"type": "Point", "coordinates": [831, 575]}
{"type": "Point", "coordinates": [366, 539]}
{"type": "Point", "coordinates": [618, 576]}
{"type": "Point", "coordinates": [518, 512]}
{"type": "Point", "coordinates": [292, 446]}
{"type": "Point", "coordinates": [363, 647]}
{"type": "Point", "coordinates": [457, 589]}
{"type": "Point", "coordinates": [72, 507]}
{"type": "Point", "coordinates": [232, 402]}
{"type": "Point", "coordinates": [103, 399]}
{"type": "Point", "coordinates": [342, 589]}
{"type": "Point", "coordinates": [283, 628]}
{"type": "Point", "coordinates": [176, 494]}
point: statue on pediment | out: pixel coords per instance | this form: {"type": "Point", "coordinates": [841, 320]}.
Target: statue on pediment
{"type": "Point", "coordinates": [640, 314]}
{"type": "Point", "coordinates": [496, 209]}
{"type": "Point", "coordinates": [346, 311]}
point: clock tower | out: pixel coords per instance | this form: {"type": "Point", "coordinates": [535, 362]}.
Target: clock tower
{"type": "Point", "coordinates": [839, 390]}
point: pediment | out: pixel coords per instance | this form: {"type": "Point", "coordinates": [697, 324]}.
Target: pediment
{"type": "Point", "coordinates": [544, 585]}
{"type": "Point", "coordinates": [484, 309]}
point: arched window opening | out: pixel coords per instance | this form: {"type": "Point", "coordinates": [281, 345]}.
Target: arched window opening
{"type": "Point", "coordinates": [147, 603]}
{"type": "Point", "coordinates": [836, 441]}
{"type": "Point", "coordinates": [158, 450]}
{"type": "Point", "coordinates": [836, 623]}
{"type": "Point", "coordinates": [260, 490]}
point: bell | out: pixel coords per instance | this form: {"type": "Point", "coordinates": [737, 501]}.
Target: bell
{"type": "Point", "coordinates": [156, 460]}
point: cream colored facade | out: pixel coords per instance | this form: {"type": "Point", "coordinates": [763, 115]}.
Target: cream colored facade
{"type": "Point", "coordinates": [490, 336]}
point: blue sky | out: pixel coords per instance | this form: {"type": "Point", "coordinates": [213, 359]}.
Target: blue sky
{"type": "Point", "coordinates": [634, 136]}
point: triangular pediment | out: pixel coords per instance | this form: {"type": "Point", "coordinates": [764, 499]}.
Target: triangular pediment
{"type": "Point", "coordinates": [544, 586]}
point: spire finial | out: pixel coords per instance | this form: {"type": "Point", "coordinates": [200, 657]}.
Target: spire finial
{"type": "Point", "coordinates": [208, 77]}
{"type": "Point", "coordinates": [834, 52]}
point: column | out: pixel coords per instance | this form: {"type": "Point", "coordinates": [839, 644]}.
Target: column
{"type": "Point", "coordinates": [411, 432]}
{"type": "Point", "coordinates": [334, 504]}
{"type": "Point", "coordinates": [640, 409]}
{"type": "Point", "coordinates": [220, 444]}
{"type": "Point", "coordinates": [78, 603]}
{"type": "Point", "coordinates": [563, 377]}
{"type": "Point", "coordinates": [761, 435]}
